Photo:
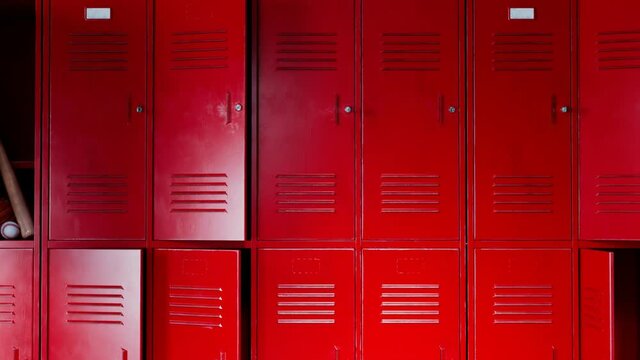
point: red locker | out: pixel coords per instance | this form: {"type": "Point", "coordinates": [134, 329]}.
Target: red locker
{"type": "Point", "coordinates": [196, 304]}
{"type": "Point", "coordinates": [94, 304]}
{"type": "Point", "coordinates": [411, 304]}
{"type": "Point", "coordinates": [306, 119]}
{"type": "Point", "coordinates": [97, 120]}
{"type": "Point", "coordinates": [522, 125]}
{"type": "Point", "coordinates": [306, 304]}
{"type": "Point", "coordinates": [16, 304]}
{"type": "Point", "coordinates": [609, 141]}
{"type": "Point", "coordinates": [199, 126]}
{"type": "Point", "coordinates": [523, 305]}
{"type": "Point", "coordinates": [411, 121]}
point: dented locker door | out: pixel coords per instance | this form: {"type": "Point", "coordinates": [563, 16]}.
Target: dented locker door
{"type": "Point", "coordinates": [16, 304]}
{"type": "Point", "coordinates": [199, 127]}
{"type": "Point", "coordinates": [411, 119]}
{"type": "Point", "coordinates": [411, 304]}
{"type": "Point", "coordinates": [523, 305]}
{"type": "Point", "coordinates": [597, 305]}
{"type": "Point", "coordinates": [97, 120]}
{"type": "Point", "coordinates": [94, 305]}
{"type": "Point", "coordinates": [522, 121]}
{"type": "Point", "coordinates": [306, 119]}
{"type": "Point", "coordinates": [196, 304]}
{"type": "Point", "coordinates": [306, 307]}
{"type": "Point", "coordinates": [609, 126]}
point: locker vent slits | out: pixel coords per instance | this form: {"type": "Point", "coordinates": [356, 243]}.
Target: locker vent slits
{"type": "Point", "coordinates": [619, 50]}
{"type": "Point", "coordinates": [199, 193]}
{"type": "Point", "coordinates": [199, 50]}
{"type": "Point", "coordinates": [618, 194]}
{"type": "Point", "coordinates": [306, 304]}
{"type": "Point", "coordinates": [307, 51]}
{"type": "Point", "coordinates": [409, 193]}
{"type": "Point", "coordinates": [515, 194]}
{"type": "Point", "coordinates": [306, 193]}
{"type": "Point", "coordinates": [7, 305]}
{"type": "Point", "coordinates": [522, 304]}
{"type": "Point", "coordinates": [410, 304]}
{"type": "Point", "coordinates": [410, 51]}
{"type": "Point", "coordinates": [522, 52]}
{"type": "Point", "coordinates": [97, 194]}
{"type": "Point", "coordinates": [95, 304]}
{"type": "Point", "coordinates": [98, 52]}
{"type": "Point", "coordinates": [594, 308]}
{"type": "Point", "coordinates": [195, 306]}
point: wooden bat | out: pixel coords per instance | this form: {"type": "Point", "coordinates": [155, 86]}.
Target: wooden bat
{"type": "Point", "coordinates": [20, 208]}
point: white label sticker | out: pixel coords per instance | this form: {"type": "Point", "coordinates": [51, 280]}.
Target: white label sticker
{"type": "Point", "coordinates": [98, 13]}
{"type": "Point", "coordinates": [522, 14]}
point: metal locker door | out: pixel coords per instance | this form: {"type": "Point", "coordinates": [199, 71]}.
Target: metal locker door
{"type": "Point", "coordinates": [522, 124]}
{"type": "Point", "coordinates": [411, 121]}
{"type": "Point", "coordinates": [306, 120]}
{"type": "Point", "coordinates": [196, 304]}
{"type": "Point", "coordinates": [16, 304]}
{"type": "Point", "coordinates": [523, 305]}
{"type": "Point", "coordinates": [411, 304]}
{"type": "Point", "coordinates": [97, 120]}
{"type": "Point", "coordinates": [597, 305]}
{"type": "Point", "coordinates": [609, 127]}
{"type": "Point", "coordinates": [94, 304]}
{"type": "Point", "coordinates": [199, 120]}
{"type": "Point", "coordinates": [306, 304]}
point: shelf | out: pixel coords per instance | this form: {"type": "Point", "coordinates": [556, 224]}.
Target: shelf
{"type": "Point", "coordinates": [16, 244]}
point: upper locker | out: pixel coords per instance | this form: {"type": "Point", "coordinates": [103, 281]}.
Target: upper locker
{"type": "Point", "coordinates": [411, 122]}
{"type": "Point", "coordinates": [609, 39]}
{"type": "Point", "coordinates": [199, 126]}
{"type": "Point", "coordinates": [97, 120]}
{"type": "Point", "coordinates": [522, 125]}
{"type": "Point", "coordinates": [306, 119]}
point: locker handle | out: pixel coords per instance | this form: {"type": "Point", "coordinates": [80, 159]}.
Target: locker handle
{"type": "Point", "coordinates": [16, 354]}
{"type": "Point", "coordinates": [553, 353]}
{"type": "Point", "coordinates": [442, 352]}
{"type": "Point", "coordinates": [337, 352]}
{"type": "Point", "coordinates": [337, 110]}
{"type": "Point", "coordinates": [440, 109]}
{"type": "Point", "coordinates": [125, 354]}
{"type": "Point", "coordinates": [554, 106]}
{"type": "Point", "coordinates": [228, 110]}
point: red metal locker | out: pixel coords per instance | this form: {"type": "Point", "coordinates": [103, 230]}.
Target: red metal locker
{"type": "Point", "coordinates": [411, 121]}
{"type": "Point", "coordinates": [196, 304]}
{"type": "Point", "coordinates": [199, 126]}
{"type": "Point", "coordinates": [411, 304]}
{"type": "Point", "coordinates": [16, 304]}
{"type": "Point", "coordinates": [609, 128]}
{"type": "Point", "coordinates": [306, 119]}
{"type": "Point", "coordinates": [306, 304]}
{"type": "Point", "coordinates": [522, 125]}
{"type": "Point", "coordinates": [94, 304]}
{"type": "Point", "coordinates": [523, 305]}
{"type": "Point", "coordinates": [596, 305]}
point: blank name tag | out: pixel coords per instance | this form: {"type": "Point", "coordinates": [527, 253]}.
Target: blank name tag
{"type": "Point", "coordinates": [522, 14]}
{"type": "Point", "coordinates": [98, 13]}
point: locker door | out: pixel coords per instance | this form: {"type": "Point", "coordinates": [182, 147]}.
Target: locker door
{"type": "Point", "coordinates": [306, 308]}
{"type": "Point", "coordinates": [411, 139]}
{"type": "Point", "coordinates": [522, 134]}
{"type": "Point", "coordinates": [411, 304]}
{"type": "Point", "coordinates": [97, 120]}
{"type": "Point", "coordinates": [94, 304]}
{"type": "Point", "coordinates": [609, 126]}
{"type": "Point", "coordinates": [523, 305]}
{"type": "Point", "coordinates": [306, 119]}
{"type": "Point", "coordinates": [196, 305]}
{"type": "Point", "coordinates": [199, 120]}
{"type": "Point", "coordinates": [596, 305]}
{"type": "Point", "coordinates": [16, 304]}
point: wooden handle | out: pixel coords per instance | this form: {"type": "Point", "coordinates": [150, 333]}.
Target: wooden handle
{"type": "Point", "coordinates": [20, 208]}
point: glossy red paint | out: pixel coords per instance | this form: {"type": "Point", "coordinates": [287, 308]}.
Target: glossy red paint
{"type": "Point", "coordinates": [16, 304]}
{"type": "Point", "coordinates": [199, 123]}
{"type": "Point", "coordinates": [597, 305]}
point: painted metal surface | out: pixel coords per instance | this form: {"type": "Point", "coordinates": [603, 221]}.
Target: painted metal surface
{"type": "Point", "coordinates": [16, 304]}
{"type": "Point", "coordinates": [597, 333]}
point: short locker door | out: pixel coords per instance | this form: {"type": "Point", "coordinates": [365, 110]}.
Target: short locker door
{"type": "Point", "coordinates": [596, 305]}
{"type": "Point", "coordinates": [306, 119]}
{"type": "Point", "coordinates": [522, 141]}
{"type": "Point", "coordinates": [97, 120]}
{"type": "Point", "coordinates": [16, 304]}
{"type": "Point", "coordinates": [306, 305]}
{"type": "Point", "coordinates": [94, 304]}
{"type": "Point", "coordinates": [411, 304]}
{"type": "Point", "coordinates": [523, 305]}
{"type": "Point", "coordinates": [609, 127]}
{"type": "Point", "coordinates": [199, 120]}
{"type": "Point", "coordinates": [196, 304]}
{"type": "Point", "coordinates": [411, 121]}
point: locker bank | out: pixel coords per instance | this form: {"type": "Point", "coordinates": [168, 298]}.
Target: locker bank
{"type": "Point", "coordinates": [320, 180]}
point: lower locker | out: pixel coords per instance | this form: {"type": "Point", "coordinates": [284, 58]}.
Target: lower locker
{"type": "Point", "coordinates": [16, 304]}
